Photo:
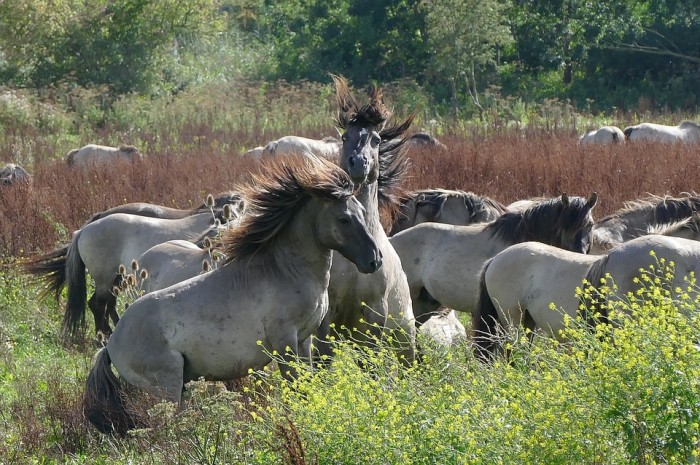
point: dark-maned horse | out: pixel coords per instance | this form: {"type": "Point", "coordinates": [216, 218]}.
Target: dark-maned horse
{"type": "Point", "coordinates": [93, 155]}
{"type": "Point", "coordinates": [519, 285]}
{"type": "Point", "coordinates": [101, 247]}
{"type": "Point", "coordinates": [268, 298]}
{"type": "Point", "coordinates": [372, 154]}
{"type": "Point", "coordinates": [12, 173]}
{"type": "Point", "coordinates": [443, 261]}
{"type": "Point", "coordinates": [685, 131]}
{"type": "Point", "coordinates": [215, 204]}
{"type": "Point", "coordinates": [445, 206]}
{"type": "Point", "coordinates": [637, 218]}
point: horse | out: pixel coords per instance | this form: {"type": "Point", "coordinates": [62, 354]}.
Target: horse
{"type": "Point", "coordinates": [442, 262]}
{"type": "Point", "coordinates": [445, 206]}
{"type": "Point", "coordinates": [372, 155]}
{"type": "Point", "coordinates": [270, 295]}
{"type": "Point", "coordinates": [254, 153]}
{"type": "Point", "coordinates": [685, 131]}
{"type": "Point", "coordinates": [518, 286]}
{"type": "Point", "coordinates": [93, 155]}
{"type": "Point", "coordinates": [423, 139]}
{"type": "Point", "coordinates": [11, 174]}
{"type": "Point", "coordinates": [328, 147]}
{"type": "Point", "coordinates": [444, 328]}
{"type": "Point", "coordinates": [606, 135]}
{"type": "Point", "coordinates": [216, 204]}
{"type": "Point", "coordinates": [636, 217]}
{"type": "Point", "coordinates": [101, 247]}
{"type": "Point", "coordinates": [687, 228]}
{"type": "Point", "coordinates": [524, 204]}
{"type": "Point", "coordinates": [173, 261]}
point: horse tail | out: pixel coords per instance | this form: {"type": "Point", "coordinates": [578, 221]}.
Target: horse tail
{"type": "Point", "coordinates": [593, 304]}
{"type": "Point", "coordinates": [628, 132]}
{"type": "Point", "coordinates": [50, 269]}
{"type": "Point", "coordinates": [70, 157]}
{"type": "Point", "coordinates": [74, 317]}
{"type": "Point", "coordinates": [103, 402]}
{"type": "Point", "coordinates": [485, 321]}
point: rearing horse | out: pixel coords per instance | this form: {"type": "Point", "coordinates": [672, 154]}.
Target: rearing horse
{"type": "Point", "coordinates": [372, 154]}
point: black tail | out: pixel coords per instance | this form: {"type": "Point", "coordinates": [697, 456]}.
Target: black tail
{"type": "Point", "coordinates": [628, 132]}
{"type": "Point", "coordinates": [74, 317]}
{"type": "Point", "coordinates": [50, 269]}
{"type": "Point", "coordinates": [485, 322]}
{"type": "Point", "coordinates": [594, 305]}
{"type": "Point", "coordinates": [103, 402]}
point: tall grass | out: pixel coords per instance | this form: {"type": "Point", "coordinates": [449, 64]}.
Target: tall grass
{"type": "Point", "coordinates": [626, 393]}
{"type": "Point", "coordinates": [627, 398]}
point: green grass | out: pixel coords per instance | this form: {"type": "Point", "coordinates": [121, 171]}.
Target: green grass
{"type": "Point", "coordinates": [627, 394]}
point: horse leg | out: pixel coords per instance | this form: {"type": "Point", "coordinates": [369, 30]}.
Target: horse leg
{"type": "Point", "coordinates": [112, 309]}
{"type": "Point", "coordinates": [98, 307]}
{"type": "Point", "coordinates": [424, 306]}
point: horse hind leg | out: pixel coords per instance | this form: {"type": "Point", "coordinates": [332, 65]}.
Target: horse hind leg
{"type": "Point", "coordinates": [98, 306]}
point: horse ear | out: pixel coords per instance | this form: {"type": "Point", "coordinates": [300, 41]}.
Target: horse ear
{"type": "Point", "coordinates": [565, 199]}
{"type": "Point", "coordinates": [593, 200]}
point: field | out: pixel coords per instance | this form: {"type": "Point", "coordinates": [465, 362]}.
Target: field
{"type": "Point", "coordinates": [634, 400]}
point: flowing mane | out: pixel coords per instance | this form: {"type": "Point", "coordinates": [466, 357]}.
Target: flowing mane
{"type": "Point", "coordinates": [546, 221]}
{"type": "Point", "coordinates": [275, 195]}
{"type": "Point", "coordinates": [663, 209]}
{"type": "Point", "coordinates": [393, 163]}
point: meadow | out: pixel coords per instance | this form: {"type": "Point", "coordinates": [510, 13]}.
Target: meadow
{"type": "Point", "coordinates": [616, 396]}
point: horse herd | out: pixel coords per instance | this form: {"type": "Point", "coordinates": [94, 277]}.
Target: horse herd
{"type": "Point", "coordinates": [685, 131]}
{"type": "Point", "coordinates": [305, 255]}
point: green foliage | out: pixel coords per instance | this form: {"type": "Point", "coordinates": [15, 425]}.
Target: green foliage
{"type": "Point", "coordinates": [625, 393]}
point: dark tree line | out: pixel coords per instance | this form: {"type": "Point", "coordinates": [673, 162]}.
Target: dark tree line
{"type": "Point", "coordinates": [613, 53]}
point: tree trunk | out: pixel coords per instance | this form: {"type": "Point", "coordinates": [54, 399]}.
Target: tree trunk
{"type": "Point", "coordinates": [471, 88]}
{"type": "Point", "coordinates": [453, 89]}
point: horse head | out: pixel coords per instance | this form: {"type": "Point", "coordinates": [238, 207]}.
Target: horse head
{"type": "Point", "coordinates": [575, 223]}
{"type": "Point", "coordinates": [360, 126]}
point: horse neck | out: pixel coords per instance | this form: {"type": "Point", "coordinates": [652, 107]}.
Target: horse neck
{"type": "Point", "coordinates": [368, 195]}
{"type": "Point", "coordinates": [636, 220]}
{"type": "Point", "coordinates": [297, 253]}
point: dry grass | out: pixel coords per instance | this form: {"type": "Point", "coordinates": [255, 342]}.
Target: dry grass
{"type": "Point", "coordinates": [507, 166]}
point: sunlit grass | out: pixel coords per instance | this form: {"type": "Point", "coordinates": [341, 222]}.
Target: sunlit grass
{"type": "Point", "coordinates": [626, 392]}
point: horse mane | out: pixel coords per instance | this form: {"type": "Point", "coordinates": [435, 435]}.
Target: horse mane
{"type": "Point", "coordinates": [128, 148]}
{"type": "Point", "coordinates": [275, 194]}
{"type": "Point", "coordinates": [393, 163]}
{"type": "Point", "coordinates": [437, 197]}
{"type": "Point", "coordinates": [691, 223]}
{"type": "Point", "coordinates": [665, 209]}
{"type": "Point", "coordinates": [687, 124]}
{"type": "Point", "coordinates": [542, 222]}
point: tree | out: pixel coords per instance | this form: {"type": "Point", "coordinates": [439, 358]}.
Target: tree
{"type": "Point", "coordinates": [364, 40]}
{"type": "Point", "coordinates": [120, 43]}
{"type": "Point", "coordinates": [465, 37]}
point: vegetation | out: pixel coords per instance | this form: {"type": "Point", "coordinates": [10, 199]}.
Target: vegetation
{"type": "Point", "coordinates": [599, 54]}
{"type": "Point", "coordinates": [623, 394]}
{"type": "Point", "coordinates": [194, 84]}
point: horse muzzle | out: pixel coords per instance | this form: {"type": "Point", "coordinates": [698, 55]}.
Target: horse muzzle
{"type": "Point", "coordinates": [358, 168]}
{"type": "Point", "coordinates": [373, 265]}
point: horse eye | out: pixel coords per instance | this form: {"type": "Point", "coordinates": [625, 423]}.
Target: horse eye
{"type": "Point", "coordinates": [344, 137]}
{"type": "Point", "coordinates": [344, 221]}
{"type": "Point", "coordinates": [376, 140]}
